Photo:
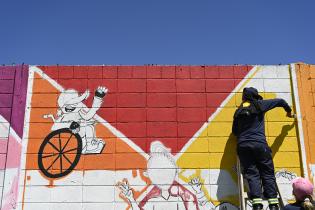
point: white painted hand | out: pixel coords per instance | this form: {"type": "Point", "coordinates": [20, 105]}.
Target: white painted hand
{"type": "Point", "coordinates": [126, 191]}
{"type": "Point", "coordinates": [103, 89]}
{"type": "Point", "coordinates": [196, 184]}
{"type": "Point", "coordinates": [101, 92]}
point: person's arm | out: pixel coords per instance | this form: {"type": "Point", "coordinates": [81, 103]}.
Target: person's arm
{"type": "Point", "coordinates": [235, 124]}
{"type": "Point", "coordinates": [96, 105]}
{"type": "Point", "coordinates": [235, 127]}
{"type": "Point", "coordinates": [269, 104]}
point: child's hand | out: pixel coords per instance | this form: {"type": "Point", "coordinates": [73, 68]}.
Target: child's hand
{"type": "Point", "coordinates": [196, 184]}
{"type": "Point", "coordinates": [75, 127]}
{"type": "Point", "coordinates": [126, 191]}
{"type": "Point", "coordinates": [101, 92]}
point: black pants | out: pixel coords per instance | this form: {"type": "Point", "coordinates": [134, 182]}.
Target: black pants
{"type": "Point", "coordinates": [256, 160]}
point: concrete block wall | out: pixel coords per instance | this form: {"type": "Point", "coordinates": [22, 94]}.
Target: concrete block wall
{"type": "Point", "coordinates": [305, 75]}
{"type": "Point", "coordinates": [160, 138]}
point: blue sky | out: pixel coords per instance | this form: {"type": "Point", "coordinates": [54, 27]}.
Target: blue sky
{"type": "Point", "coordinates": [140, 32]}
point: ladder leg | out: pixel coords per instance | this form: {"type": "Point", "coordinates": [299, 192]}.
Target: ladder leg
{"type": "Point", "coordinates": [242, 197]}
{"type": "Point", "coordinates": [281, 203]}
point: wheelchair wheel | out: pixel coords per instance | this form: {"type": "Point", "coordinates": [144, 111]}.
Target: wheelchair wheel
{"type": "Point", "coordinates": [59, 153]}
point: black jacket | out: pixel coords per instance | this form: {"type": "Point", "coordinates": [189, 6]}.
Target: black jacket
{"type": "Point", "coordinates": [295, 206]}
{"type": "Point", "coordinates": [248, 123]}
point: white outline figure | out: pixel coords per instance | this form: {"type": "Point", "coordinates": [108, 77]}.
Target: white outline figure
{"type": "Point", "coordinates": [165, 192]}
{"type": "Point", "coordinates": [74, 114]}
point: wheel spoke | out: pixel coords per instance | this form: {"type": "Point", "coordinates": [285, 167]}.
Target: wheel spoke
{"type": "Point", "coordinates": [46, 156]}
{"type": "Point", "coordinates": [53, 146]}
{"type": "Point", "coordinates": [67, 159]}
{"type": "Point", "coordinates": [70, 150]}
{"type": "Point", "coordinates": [60, 163]}
{"type": "Point", "coordinates": [66, 143]}
{"type": "Point", "coordinates": [59, 143]}
{"type": "Point", "coordinates": [53, 163]}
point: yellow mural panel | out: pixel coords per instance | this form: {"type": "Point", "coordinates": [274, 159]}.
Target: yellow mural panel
{"type": "Point", "coordinates": [199, 146]}
{"type": "Point", "coordinates": [279, 128]}
{"type": "Point", "coordinates": [283, 144]}
{"type": "Point", "coordinates": [287, 159]}
{"type": "Point", "coordinates": [194, 160]}
{"type": "Point", "coordinates": [220, 144]}
{"type": "Point", "coordinates": [219, 129]}
{"type": "Point", "coordinates": [222, 160]}
{"type": "Point", "coordinates": [226, 115]}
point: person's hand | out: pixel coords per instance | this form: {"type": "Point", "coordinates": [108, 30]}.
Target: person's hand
{"type": "Point", "coordinates": [101, 92]}
{"type": "Point", "coordinates": [196, 184]}
{"type": "Point", "coordinates": [75, 127]}
{"type": "Point", "coordinates": [126, 191]}
{"type": "Point", "coordinates": [289, 114]}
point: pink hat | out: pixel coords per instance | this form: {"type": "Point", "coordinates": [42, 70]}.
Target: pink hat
{"type": "Point", "coordinates": [302, 188]}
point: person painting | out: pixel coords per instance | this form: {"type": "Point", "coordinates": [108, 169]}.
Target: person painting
{"type": "Point", "coordinates": [252, 148]}
{"type": "Point", "coordinates": [303, 193]}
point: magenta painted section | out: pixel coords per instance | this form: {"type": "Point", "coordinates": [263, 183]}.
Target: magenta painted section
{"type": "Point", "coordinates": [13, 89]}
{"type": "Point", "coordinates": [7, 72]}
{"type": "Point", "coordinates": [2, 161]}
{"type": "Point", "coordinates": [10, 199]}
{"type": "Point", "coordinates": [3, 146]}
{"type": "Point", "coordinates": [6, 86]}
{"type": "Point", "coordinates": [5, 112]}
{"type": "Point", "coordinates": [14, 153]}
{"type": "Point", "coordinates": [10, 159]}
{"type": "Point", "coordinates": [5, 100]}
{"type": "Point", "coordinates": [19, 101]}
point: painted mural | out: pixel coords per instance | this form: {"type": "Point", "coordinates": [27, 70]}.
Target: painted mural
{"type": "Point", "coordinates": [13, 85]}
{"type": "Point", "coordinates": [136, 137]}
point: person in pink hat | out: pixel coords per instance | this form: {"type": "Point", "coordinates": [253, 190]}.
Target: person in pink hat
{"type": "Point", "coordinates": [303, 192]}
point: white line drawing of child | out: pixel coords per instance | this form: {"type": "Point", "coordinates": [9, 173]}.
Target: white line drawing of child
{"type": "Point", "coordinates": [165, 192]}
{"type": "Point", "coordinates": [74, 114]}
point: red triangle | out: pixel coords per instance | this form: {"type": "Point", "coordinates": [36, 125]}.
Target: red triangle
{"type": "Point", "coordinates": [147, 103]}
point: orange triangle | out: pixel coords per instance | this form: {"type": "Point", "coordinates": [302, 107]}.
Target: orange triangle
{"type": "Point", "coordinates": [117, 154]}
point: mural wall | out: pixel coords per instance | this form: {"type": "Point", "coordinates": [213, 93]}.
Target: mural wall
{"type": "Point", "coordinates": [138, 137]}
{"type": "Point", "coordinates": [13, 85]}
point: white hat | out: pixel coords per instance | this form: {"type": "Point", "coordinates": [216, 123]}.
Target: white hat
{"type": "Point", "coordinates": [71, 96]}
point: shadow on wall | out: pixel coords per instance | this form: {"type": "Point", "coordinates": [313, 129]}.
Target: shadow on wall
{"type": "Point", "coordinates": [279, 139]}
{"type": "Point", "coordinates": [227, 166]}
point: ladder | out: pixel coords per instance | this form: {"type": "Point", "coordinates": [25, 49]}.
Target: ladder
{"type": "Point", "coordinates": [243, 197]}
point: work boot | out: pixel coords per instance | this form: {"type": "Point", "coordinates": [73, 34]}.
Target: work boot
{"type": "Point", "coordinates": [273, 207]}
{"type": "Point", "coordinates": [258, 206]}
{"type": "Point", "coordinates": [273, 203]}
